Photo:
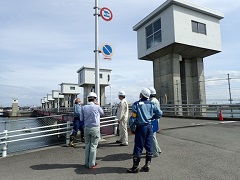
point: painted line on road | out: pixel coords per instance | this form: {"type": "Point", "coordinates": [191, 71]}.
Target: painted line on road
{"type": "Point", "coordinates": [225, 122]}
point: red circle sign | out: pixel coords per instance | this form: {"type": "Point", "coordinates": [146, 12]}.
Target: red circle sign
{"type": "Point", "coordinates": [106, 14]}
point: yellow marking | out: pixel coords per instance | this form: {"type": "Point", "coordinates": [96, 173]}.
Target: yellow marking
{"type": "Point", "coordinates": [134, 115]}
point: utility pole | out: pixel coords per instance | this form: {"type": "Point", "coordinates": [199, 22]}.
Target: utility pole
{"type": "Point", "coordinates": [177, 92]}
{"type": "Point", "coordinates": [58, 99]}
{"type": "Point", "coordinates": [177, 109]}
{"type": "Point", "coordinates": [230, 95]}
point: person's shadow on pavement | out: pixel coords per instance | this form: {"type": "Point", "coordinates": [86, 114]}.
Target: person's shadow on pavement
{"type": "Point", "coordinates": [116, 157]}
{"type": "Point", "coordinates": [81, 169]}
{"type": "Point", "coordinates": [102, 170]}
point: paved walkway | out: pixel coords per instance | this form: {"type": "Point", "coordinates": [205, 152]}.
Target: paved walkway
{"type": "Point", "coordinates": [66, 163]}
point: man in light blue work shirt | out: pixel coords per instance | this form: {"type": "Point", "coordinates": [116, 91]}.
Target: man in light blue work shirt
{"type": "Point", "coordinates": [77, 124]}
{"type": "Point", "coordinates": [91, 116]}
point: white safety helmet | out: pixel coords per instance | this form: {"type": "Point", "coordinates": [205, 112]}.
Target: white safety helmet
{"type": "Point", "coordinates": [121, 93]}
{"type": "Point", "coordinates": [152, 90]}
{"type": "Point", "coordinates": [145, 92]}
{"type": "Point", "coordinates": [92, 95]}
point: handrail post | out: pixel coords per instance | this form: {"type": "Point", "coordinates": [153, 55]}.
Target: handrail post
{"type": "Point", "coordinates": [68, 133]}
{"type": "Point", "coordinates": [175, 110]}
{"type": "Point", "coordinates": [218, 111]}
{"type": "Point", "coordinates": [4, 149]}
{"type": "Point", "coordinates": [193, 110]}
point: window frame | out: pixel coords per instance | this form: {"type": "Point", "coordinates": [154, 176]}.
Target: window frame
{"type": "Point", "coordinates": [81, 77]}
{"type": "Point", "coordinates": [197, 28]}
{"type": "Point", "coordinates": [151, 33]}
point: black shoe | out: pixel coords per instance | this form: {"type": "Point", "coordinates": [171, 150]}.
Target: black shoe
{"type": "Point", "coordinates": [123, 144]}
{"type": "Point", "coordinates": [145, 168]}
{"type": "Point", "coordinates": [118, 141]}
{"type": "Point", "coordinates": [71, 144]}
{"type": "Point", "coordinates": [133, 170]}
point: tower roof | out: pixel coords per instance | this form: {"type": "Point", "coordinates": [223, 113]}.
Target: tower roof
{"type": "Point", "coordinates": [182, 3]}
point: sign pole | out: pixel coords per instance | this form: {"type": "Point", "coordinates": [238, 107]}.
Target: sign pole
{"type": "Point", "coordinates": [58, 100]}
{"type": "Point", "coordinates": [97, 86]}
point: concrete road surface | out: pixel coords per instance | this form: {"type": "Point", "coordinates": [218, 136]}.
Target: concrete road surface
{"type": "Point", "coordinates": [191, 149]}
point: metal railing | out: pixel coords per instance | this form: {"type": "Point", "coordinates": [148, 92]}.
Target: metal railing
{"type": "Point", "coordinates": [55, 129]}
{"type": "Point", "coordinates": [202, 111]}
{"type": "Point", "coordinates": [198, 110]}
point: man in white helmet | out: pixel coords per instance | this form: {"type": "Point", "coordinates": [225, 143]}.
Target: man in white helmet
{"type": "Point", "coordinates": [143, 112]}
{"type": "Point", "coordinates": [153, 99]}
{"type": "Point", "coordinates": [91, 116]}
{"type": "Point", "coordinates": [122, 116]}
{"type": "Point", "coordinates": [77, 124]}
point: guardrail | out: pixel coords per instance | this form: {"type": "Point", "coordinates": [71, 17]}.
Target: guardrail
{"type": "Point", "coordinates": [65, 128]}
{"type": "Point", "coordinates": [202, 111]}
{"type": "Point", "coordinates": [229, 111]}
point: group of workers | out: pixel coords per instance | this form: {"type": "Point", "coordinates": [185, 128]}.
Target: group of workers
{"type": "Point", "coordinates": [143, 123]}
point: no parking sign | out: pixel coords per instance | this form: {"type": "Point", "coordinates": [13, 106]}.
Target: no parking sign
{"type": "Point", "coordinates": [107, 50]}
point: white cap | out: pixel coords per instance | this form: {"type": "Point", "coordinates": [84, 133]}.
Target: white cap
{"type": "Point", "coordinates": [121, 93]}
{"type": "Point", "coordinates": [92, 94]}
{"type": "Point", "coordinates": [145, 92]}
{"type": "Point", "coordinates": [153, 91]}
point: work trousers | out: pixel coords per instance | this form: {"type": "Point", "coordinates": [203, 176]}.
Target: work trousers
{"type": "Point", "coordinates": [143, 139]}
{"type": "Point", "coordinates": [92, 136]}
{"type": "Point", "coordinates": [77, 125]}
{"type": "Point", "coordinates": [156, 149]}
{"type": "Point", "coordinates": [123, 132]}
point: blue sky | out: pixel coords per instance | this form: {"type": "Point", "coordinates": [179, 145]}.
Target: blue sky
{"type": "Point", "coordinates": [43, 43]}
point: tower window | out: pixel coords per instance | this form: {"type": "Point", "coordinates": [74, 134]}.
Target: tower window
{"type": "Point", "coordinates": [198, 27]}
{"type": "Point", "coordinates": [154, 34]}
{"type": "Point", "coordinates": [81, 77]}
